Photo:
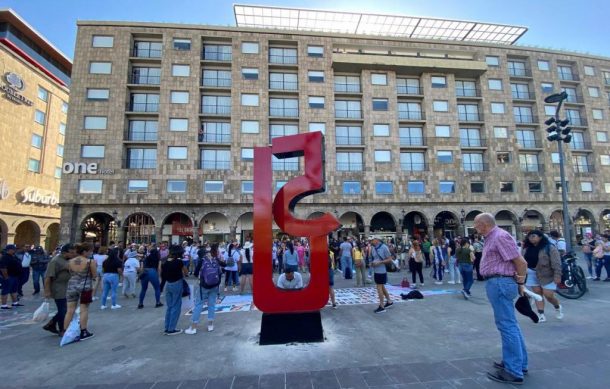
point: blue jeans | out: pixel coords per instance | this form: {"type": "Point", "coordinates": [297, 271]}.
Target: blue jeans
{"type": "Point", "coordinates": [150, 275]}
{"type": "Point", "coordinates": [62, 308]}
{"type": "Point", "coordinates": [606, 265]}
{"type": "Point", "coordinates": [231, 278]}
{"type": "Point", "coordinates": [466, 272]}
{"type": "Point", "coordinates": [501, 293]}
{"type": "Point", "coordinates": [111, 283]}
{"type": "Point", "coordinates": [589, 259]}
{"type": "Point", "coordinates": [205, 296]}
{"type": "Point", "coordinates": [453, 270]}
{"type": "Point", "coordinates": [599, 264]}
{"type": "Point", "coordinates": [173, 300]}
{"type": "Point", "coordinates": [346, 266]}
{"type": "Point", "coordinates": [37, 275]}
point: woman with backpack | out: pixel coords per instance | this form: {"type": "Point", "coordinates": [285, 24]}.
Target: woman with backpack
{"type": "Point", "coordinates": [245, 266]}
{"type": "Point", "coordinates": [291, 259]}
{"type": "Point", "coordinates": [232, 257]}
{"type": "Point", "coordinates": [210, 274]}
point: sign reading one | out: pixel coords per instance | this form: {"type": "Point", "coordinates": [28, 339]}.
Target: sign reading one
{"type": "Point", "coordinates": [14, 85]}
{"type": "Point", "coordinates": [38, 196]}
{"type": "Point", "coordinates": [3, 190]}
{"type": "Point", "coordinates": [84, 168]}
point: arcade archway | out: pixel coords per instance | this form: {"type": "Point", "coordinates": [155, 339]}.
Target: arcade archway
{"type": "Point", "coordinates": [98, 228]}
{"type": "Point", "coordinates": [446, 224]}
{"type": "Point", "coordinates": [584, 222]}
{"type": "Point", "coordinates": [215, 227]}
{"type": "Point", "coordinates": [27, 232]}
{"type": "Point", "coordinates": [352, 225]}
{"type": "Point", "coordinates": [507, 220]}
{"type": "Point", "coordinates": [52, 240]}
{"type": "Point", "coordinates": [415, 225]}
{"type": "Point", "coordinates": [140, 228]}
{"type": "Point", "coordinates": [177, 228]}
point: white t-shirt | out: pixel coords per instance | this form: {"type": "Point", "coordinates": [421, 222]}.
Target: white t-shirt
{"type": "Point", "coordinates": [131, 265]}
{"type": "Point", "coordinates": [99, 259]}
{"type": "Point", "coordinates": [243, 255]}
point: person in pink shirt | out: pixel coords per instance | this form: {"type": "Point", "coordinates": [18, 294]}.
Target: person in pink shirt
{"type": "Point", "coordinates": [301, 254]}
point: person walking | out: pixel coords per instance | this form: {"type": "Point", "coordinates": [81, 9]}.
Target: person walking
{"type": "Point", "coordinates": [543, 271]}
{"type": "Point", "coordinates": [80, 287]}
{"type": "Point", "coordinates": [438, 258]}
{"type": "Point", "coordinates": [55, 285]}
{"type": "Point", "coordinates": [112, 269]}
{"type": "Point", "coordinates": [416, 263]}
{"type": "Point", "coordinates": [505, 270]}
{"type": "Point", "coordinates": [232, 258]}
{"type": "Point", "coordinates": [149, 273]}
{"type": "Point", "coordinates": [478, 254]}
{"type": "Point", "coordinates": [130, 273]}
{"type": "Point", "coordinates": [301, 256]}
{"type": "Point", "coordinates": [454, 276]}
{"type": "Point", "coordinates": [39, 263]}
{"type": "Point", "coordinates": [381, 257]}
{"type": "Point", "coordinates": [245, 264]}
{"type": "Point", "coordinates": [291, 259]}
{"type": "Point", "coordinates": [359, 265]}
{"type": "Point", "coordinates": [331, 278]}
{"type": "Point", "coordinates": [588, 245]}
{"type": "Point", "coordinates": [99, 258]}
{"type": "Point", "coordinates": [174, 271]}
{"type": "Point", "coordinates": [10, 269]}
{"type": "Point", "coordinates": [426, 247]}
{"type": "Point", "coordinates": [345, 250]}
{"type": "Point", "coordinates": [465, 259]}
{"type": "Point", "coordinates": [606, 247]}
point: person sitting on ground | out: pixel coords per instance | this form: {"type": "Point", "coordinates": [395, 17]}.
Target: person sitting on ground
{"type": "Point", "coordinates": [290, 280]}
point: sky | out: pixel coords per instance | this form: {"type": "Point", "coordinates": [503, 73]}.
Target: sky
{"type": "Point", "coordinates": [559, 24]}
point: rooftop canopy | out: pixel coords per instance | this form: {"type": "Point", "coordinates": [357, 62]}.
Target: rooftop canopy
{"type": "Point", "coordinates": [373, 24]}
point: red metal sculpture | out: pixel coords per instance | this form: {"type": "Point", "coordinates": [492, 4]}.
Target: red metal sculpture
{"type": "Point", "coordinates": [267, 297]}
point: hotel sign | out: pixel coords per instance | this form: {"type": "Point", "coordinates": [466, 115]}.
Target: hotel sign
{"type": "Point", "coordinates": [39, 196]}
{"type": "Point", "coordinates": [13, 88]}
{"type": "Point", "coordinates": [84, 168]}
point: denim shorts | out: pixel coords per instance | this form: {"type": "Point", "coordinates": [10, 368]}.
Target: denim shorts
{"type": "Point", "coordinates": [532, 280]}
{"type": "Point", "coordinates": [10, 285]}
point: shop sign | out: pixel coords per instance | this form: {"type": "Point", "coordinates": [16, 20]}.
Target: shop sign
{"type": "Point", "coordinates": [38, 196]}
{"type": "Point", "coordinates": [14, 85]}
{"type": "Point", "coordinates": [84, 168]}
{"type": "Point", "coordinates": [3, 190]}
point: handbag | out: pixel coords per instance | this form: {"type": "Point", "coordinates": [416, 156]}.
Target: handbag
{"type": "Point", "coordinates": [86, 296]}
{"type": "Point", "coordinates": [186, 290]}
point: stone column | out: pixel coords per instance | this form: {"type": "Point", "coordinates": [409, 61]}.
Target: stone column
{"type": "Point", "coordinates": [195, 232]}
{"type": "Point", "coordinates": [159, 234]}
{"type": "Point", "coordinates": [545, 227]}
{"type": "Point", "coordinates": [10, 238]}
{"type": "Point", "coordinates": [367, 231]}
{"type": "Point", "coordinates": [68, 223]}
{"type": "Point", "coordinates": [233, 232]}
{"type": "Point", "coordinates": [518, 231]}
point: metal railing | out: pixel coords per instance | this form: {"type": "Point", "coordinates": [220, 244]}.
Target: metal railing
{"type": "Point", "coordinates": [579, 145]}
{"type": "Point", "coordinates": [284, 166]}
{"type": "Point", "coordinates": [283, 59]}
{"type": "Point", "coordinates": [473, 142]}
{"type": "Point", "coordinates": [143, 107]}
{"type": "Point", "coordinates": [348, 114]}
{"type": "Point", "coordinates": [531, 168]}
{"type": "Point", "coordinates": [216, 109]}
{"type": "Point", "coordinates": [414, 167]}
{"type": "Point", "coordinates": [529, 143]}
{"type": "Point", "coordinates": [468, 92]}
{"type": "Point", "coordinates": [144, 136]}
{"type": "Point", "coordinates": [578, 121]}
{"type": "Point", "coordinates": [349, 167]}
{"type": "Point", "coordinates": [216, 82]}
{"type": "Point", "coordinates": [579, 168]}
{"type": "Point", "coordinates": [568, 77]}
{"type": "Point", "coordinates": [284, 85]}
{"type": "Point", "coordinates": [146, 53]}
{"type": "Point", "coordinates": [575, 98]}
{"type": "Point", "coordinates": [409, 90]}
{"type": "Point", "coordinates": [518, 72]}
{"type": "Point", "coordinates": [411, 115]}
{"type": "Point", "coordinates": [348, 140]}
{"type": "Point", "coordinates": [520, 95]}
{"type": "Point", "coordinates": [284, 112]}
{"type": "Point", "coordinates": [214, 55]}
{"type": "Point", "coordinates": [475, 166]}
{"type": "Point", "coordinates": [212, 164]}
{"type": "Point", "coordinates": [470, 117]}
{"type": "Point", "coordinates": [412, 141]}
{"type": "Point", "coordinates": [140, 79]}
{"type": "Point", "coordinates": [347, 88]}
{"type": "Point", "coordinates": [213, 137]}
{"type": "Point", "coordinates": [139, 163]}
{"type": "Point", "coordinates": [526, 118]}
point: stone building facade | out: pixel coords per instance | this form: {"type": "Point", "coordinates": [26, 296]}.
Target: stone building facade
{"type": "Point", "coordinates": [420, 135]}
{"type": "Point", "coordinates": [33, 116]}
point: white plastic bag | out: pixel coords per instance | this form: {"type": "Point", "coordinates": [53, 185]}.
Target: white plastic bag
{"type": "Point", "coordinates": [72, 333]}
{"type": "Point", "coordinates": [42, 313]}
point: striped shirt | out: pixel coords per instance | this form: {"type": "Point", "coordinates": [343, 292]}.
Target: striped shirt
{"type": "Point", "coordinates": [498, 252]}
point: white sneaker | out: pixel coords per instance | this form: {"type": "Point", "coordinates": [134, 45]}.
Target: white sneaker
{"type": "Point", "coordinates": [541, 318]}
{"type": "Point", "coordinates": [103, 307]}
{"type": "Point", "coordinates": [95, 298]}
{"type": "Point", "coordinates": [117, 306]}
{"type": "Point", "coordinates": [210, 327]}
{"type": "Point", "coordinates": [451, 282]}
{"type": "Point", "coordinates": [589, 277]}
{"type": "Point", "coordinates": [190, 331]}
{"type": "Point", "coordinates": [225, 288]}
{"type": "Point", "coordinates": [438, 282]}
{"type": "Point", "coordinates": [559, 312]}
{"type": "Point", "coordinates": [459, 282]}
{"type": "Point", "coordinates": [234, 289]}
{"type": "Point", "coordinates": [422, 284]}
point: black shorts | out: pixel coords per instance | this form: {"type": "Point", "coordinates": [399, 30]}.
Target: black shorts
{"type": "Point", "coordinates": [331, 277]}
{"type": "Point", "coordinates": [246, 268]}
{"type": "Point", "coordinates": [381, 279]}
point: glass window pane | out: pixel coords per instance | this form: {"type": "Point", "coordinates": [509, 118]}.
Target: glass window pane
{"type": "Point", "coordinates": [137, 186]}
{"type": "Point", "coordinates": [90, 186]}
{"type": "Point", "coordinates": [102, 41]}
{"type": "Point", "coordinates": [249, 47]}
{"type": "Point", "coordinates": [181, 70]}
{"type": "Point", "coordinates": [98, 94]}
{"type": "Point", "coordinates": [92, 151]}
{"type": "Point", "coordinates": [100, 68]}
{"type": "Point", "coordinates": [95, 122]}
{"type": "Point", "coordinates": [177, 152]}
{"type": "Point", "coordinates": [176, 186]}
{"type": "Point", "coordinates": [379, 79]}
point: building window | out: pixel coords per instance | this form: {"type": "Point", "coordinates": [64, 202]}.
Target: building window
{"type": "Point", "coordinates": [534, 187]}
{"type": "Point", "coordinates": [283, 107]}
{"type": "Point", "coordinates": [247, 187]}
{"type": "Point", "coordinates": [495, 84]}
{"type": "Point", "coordinates": [212, 159]}
{"type": "Point", "coordinates": [408, 86]}
{"type": "Point", "coordinates": [492, 60]}
{"type": "Point", "coordinates": [384, 187]}
{"type": "Point", "coordinates": [249, 47]}
{"type": "Point", "coordinates": [247, 154]}
{"type": "Point", "coordinates": [140, 158]}
{"type": "Point", "coordinates": [477, 187]}
{"type": "Point", "coordinates": [280, 55]}
{"type": "Point", "coordinates": [62, 128]}
{"type": "Point", "coordinates": [529, 163]}
{"type": "Point", "coordinates": [473, 162]}
{"type": "Point", "coordinates": [379, 79]}
{"type": "Point", "coordinates": [549, 110]}
{"type": "Point", "coordinates": [37, 141]}
{"type": "Point", "coordinates": [316, 102]}
{"type": "Point", "coordinates": [605, 159]}
{"type": "Point", "coordinates": [470, 137]}
{"type": "Point", "coordinates": [58, 172]}
{"type": "Point", "coordinates": [543, 65]}
{"type": "Point", "coordinates": [440, 106]}
{"type": "Point", "coordinates": [144, 102]}
{"type": "Point", "coordinates": [146, 49]}
{"type": "Point", "coordinates": [178, 97]}
{"type": "Point", "coordinates": [216, 78]}
{"type": "Point", "coordinates": [181, 70]}
{"type": "Point", "coordinates": [43, 94]}
{"type": "Point", "coordinates": [586, 186]}
{"type": "Point", "coordinates": [444, 156]}
{"type": "Point", "coordinates": [213, 186]}
{"type": "Point", "coordinates": [64, 107]}
{"type": "Point", "coordinates": [589, 70]}
{"type": "Point", "coordinates": [143, 130]}
{"type": "Point", "coordinates": [416, 187]}
{"type": "Point", "coordinates": [277, 130]}
{"type": "Point", "coordinates": [601, 136]}
{"type": "Point", "coordinates": [279, 185]}
{"type": "Point", "coordinates": [523, 114]}
{"type": "Point", "coordinates": [34, 165]}
{"type": "Point", "coordinates": [145, 76]}
{"type": "Point", "coordinates": [593, 91]}
{"type": "Point", "coordinates": [349, 161]}
{"type": "Point", "coordinates": [380, 104]}
{"type": "Point", "coordinates": [547, 87]}
{"type": "Point", "coordinates": [315, 76]}
{"type": "Point", "coordinates": [102, 41]}
{"type": "Point", "coordinates": [90, 186]}
{"type": "Point", "coordinates": [98, 94]}
{"type": "Point", "coordinates": [381, 130]}
{"type": "Point", "coordinates": [347, 83]}
{"type": "Point", "coordinates": [315, 51]}
{"type": "Point", "coordinates": [60, 150]}
{"type": "Point", "coordinates": [250, 127]}
{"type": "Point", "coordinates": [438, 81]}
{"type": "Point", "coordinates": [176, 186]}
{"type": "Point", "coordinates": [500, 132]}
{"type": "Point", "coordinates": [100, 68]}
{"type": "Point", "coordinates": [39, 117]}
{"type": "Point", "coordinates": [468, 112]}
{"type": "Point", "coordinates": [215, 132]}
{"type": "Point", "coordinates": [607, 187]}
{"type": "Point", "coordinates": [410, 111]}
{"type": "Point", "coordinates": [446, 187]}
{"type": "Point", "coordinates": [352, 187]}
{"type": "Point", "coordinates": [283, 81]}
{"type": "Point", "coordinates": [182, 44]}
{"type": "Point", "coordinates": [598, 114]}
{"type": "Point", "coordinates": [565, 73]}
{"type": "Point", "coordinates": [411, 136]}
{"type": "Point", "coordinates": [503, 158]}
{"type": "Point", "coordinates": [497, 108]}
{"type": "Point", "coordinates": [90, 151]}
{"type": "Point", "coordinates": [137, 186]}
{"type": "Point", "coordinates": [177, 152]}
{"type": "Point", "coordinates": [350, 109]}
{"type": "Point", "coordinates": [555, 158]}
{"type": "Point", "coordinates": [412, 162]}
{"type": "Point", "coordinates": [558, 186]}
{"type": "Point", "coordinates": [442, 131]}
{"type": "Point", "coordinates": [526, 138]}
{"type": "Point", "coordinates": [317, 127]}
{"type": "Point", "coordinates": [217, 52]}
{"type": "Point", "coordinates": [506, 187]}
{"type": "Point", "coordinates": [178, 124]}
{"type": "Point", "coordinates": [249, 73]}
{"type": "Point", "coordinates": [249, 100]}
{"type": "Point", "coordinates": [95, 122]}
{"type": "Point", "coordinates": [348, 135]}
{"type": "Point", "coordinates": [284, 164]}
{"type": "Point", "coordinates": [216, 105]}
{"type": "Point", "coordinates": [383, 156]}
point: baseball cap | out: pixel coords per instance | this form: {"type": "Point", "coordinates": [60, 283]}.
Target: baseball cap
{"type": "Point", "coordinates": [67, 247]}
{"type": "Point", "coordinates": [10, 247]}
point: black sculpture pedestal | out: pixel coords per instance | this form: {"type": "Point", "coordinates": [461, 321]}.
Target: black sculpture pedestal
{"type": "Point", "coordinates": [282, 328]}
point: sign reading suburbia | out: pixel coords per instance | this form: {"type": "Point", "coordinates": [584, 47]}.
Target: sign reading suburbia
{"type": "Point", "coordinates": [38, 196]}
{"type": "Point", "coordinates": [84, 168]}
{"type": "Point", "coordinates": [14, 85]}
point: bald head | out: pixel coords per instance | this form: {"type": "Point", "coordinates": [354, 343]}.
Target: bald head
{"type": "Point", "coordinates": [484, 223]}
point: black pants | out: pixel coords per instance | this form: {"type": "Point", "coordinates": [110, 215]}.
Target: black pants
{"type": "Point", "coordinates": [427, 258]}
{"type": "Point", "coordinates": [477, 264]}
{"type": "Point", "coordinates": [62, 308]}
{"type": "Point", "coordinates": [23, 279]}
{"type": "Point", "coordinates": [416, 268]}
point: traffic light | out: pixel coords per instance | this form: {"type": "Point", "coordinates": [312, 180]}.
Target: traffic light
{"type": "Point", "coordinates": [558, 130]}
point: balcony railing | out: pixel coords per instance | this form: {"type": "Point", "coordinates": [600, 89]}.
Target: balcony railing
{"type": "Point", "coordinates": [139, 79]}
{"type": "Point", "coordinates": [348, 114]}
{"type": "Point", "coordinates": [348, 140]}
{"type": "Point", "coordinates": [283, 59]}
{"type": "Point", "coordinates": [216, 109]}
{"type": "Point", "coordinates": [284, 85]}
{"type": "Point", "coordinates": [578, 121]}
{"type": "Point", "coordinates": [579, 145]}
{"type": "Point", "coordinates": [473, 142]}
{"type": "Point", "coordinates": [526, 118]}
{"type": "Point", "coordinates": [213, 137]}
{"type": "Point", "coordinates": [284, 166]}
{"type": "Point", "coordinates": [349, 167]}
{"type": "Point", "coordinates": [529, 143]}
{"type": "Point", "coordinates": [212, 164]}
{"type": "Point", "coordinates": [213, 55]}
{"type": "Point", "coordinates": [284, 112]}
{"type": "Point", "coordinates": [412, 141]}
{"type": "Point", "coordinates": [470, 117]}
{"type": "Point", "coordinates": [578, 168]}
{"type": "Point", "coordinates": [143, 107]}
{"type": "Point", "coordinates": [409, 90]}
{"type": "Point", "coordinates": [575, 98]}
{"type": "Point", "coordinates": [140, 163]}
{"type": "Point", "coordinates": [521, 95]}
{"type": "Point", "coordinates": [347, 88]}
{"type": "Point", "coordinates": [531, 168]}
{"type": "Point", "coordinates": [142, 136]}
{"type": "Point", "coordinates": [467, 92]}
{"type": "Point", "coordinates": [518, 72]}
{"type": "Point", "coordinates": [475, 166]}
{"type": "Point", "coordinates": [146, 53]}
{"type": "Point", "coordinates": [216, 82]}
{"type": "Point", "coordinates": [414, 166]}
{"type": "Point", "coordinates": [568, 77]}
{"type": "Point", "coordinates": [410, 115]}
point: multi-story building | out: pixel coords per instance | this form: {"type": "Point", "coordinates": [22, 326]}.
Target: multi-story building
{"type": "Point", "coordinates": [426, 124]}
{"type": "Point", "coordinates": [33, 115]}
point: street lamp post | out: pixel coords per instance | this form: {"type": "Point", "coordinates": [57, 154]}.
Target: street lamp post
{"type": "Point", "coordinates": [560, 132]}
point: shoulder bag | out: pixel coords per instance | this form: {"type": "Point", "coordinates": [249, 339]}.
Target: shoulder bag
{"type": "Point", "coordinates": [86, 295]}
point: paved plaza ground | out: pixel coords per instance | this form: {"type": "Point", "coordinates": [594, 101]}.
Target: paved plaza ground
{"type": "Point", "coordinates": [441, 341]}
